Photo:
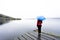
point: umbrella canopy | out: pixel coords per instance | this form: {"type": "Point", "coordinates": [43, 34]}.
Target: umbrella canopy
{"type": "Point", "coordinates": [41, 18]}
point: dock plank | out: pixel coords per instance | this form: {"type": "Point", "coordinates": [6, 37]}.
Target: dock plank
{"type": "Point", "coordinates": [45, 36]}
{"type": "Point", "coordinates": [26, 37]}
{"type": "Point", "coordinates": [34, 36]}
{"type": "Point", "coordinates": [20, 37]}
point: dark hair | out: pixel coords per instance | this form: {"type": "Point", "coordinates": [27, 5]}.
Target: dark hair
{"type": "Point", "coordinates": [40, 20]}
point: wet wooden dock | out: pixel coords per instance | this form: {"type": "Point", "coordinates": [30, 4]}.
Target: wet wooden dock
{"type": "Point", "coordinates": [34, 36]}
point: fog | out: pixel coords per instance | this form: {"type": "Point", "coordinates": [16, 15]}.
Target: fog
{"type": "Point", "coordinates": [30, 8]}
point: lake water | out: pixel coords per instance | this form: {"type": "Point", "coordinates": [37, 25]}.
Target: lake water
{"type": "Point", "coordinates": [10, 30]}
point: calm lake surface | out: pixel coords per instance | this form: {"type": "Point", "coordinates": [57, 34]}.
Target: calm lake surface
{"type": "Point", "coordinates": [10, 30]}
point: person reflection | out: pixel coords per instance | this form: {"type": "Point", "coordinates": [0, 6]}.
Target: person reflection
{"type": "Point", "coordinates": [39, 37]}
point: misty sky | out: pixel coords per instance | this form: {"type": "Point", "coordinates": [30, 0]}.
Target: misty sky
{"type": "Point", "coordinates": [30, 8]}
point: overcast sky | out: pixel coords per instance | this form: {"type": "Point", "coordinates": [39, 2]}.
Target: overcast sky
{"type": "Point", "coordinates": [30, 8]}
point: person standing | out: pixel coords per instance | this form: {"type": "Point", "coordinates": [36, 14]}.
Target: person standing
{"type": "Point", "coordinates": [39, 25]}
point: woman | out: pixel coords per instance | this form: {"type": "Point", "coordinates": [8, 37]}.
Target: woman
{"type": "Point", "coordinates": [39, 25]}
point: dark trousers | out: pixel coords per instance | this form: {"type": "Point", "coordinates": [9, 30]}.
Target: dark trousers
{"type": "Point", "coordinates": [39, 29]}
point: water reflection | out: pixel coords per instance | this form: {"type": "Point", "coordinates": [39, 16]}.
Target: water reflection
{"type": "Point", "coordinates": [1, 23]}
{"type": "Point", "coordinates": [39, 37]}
